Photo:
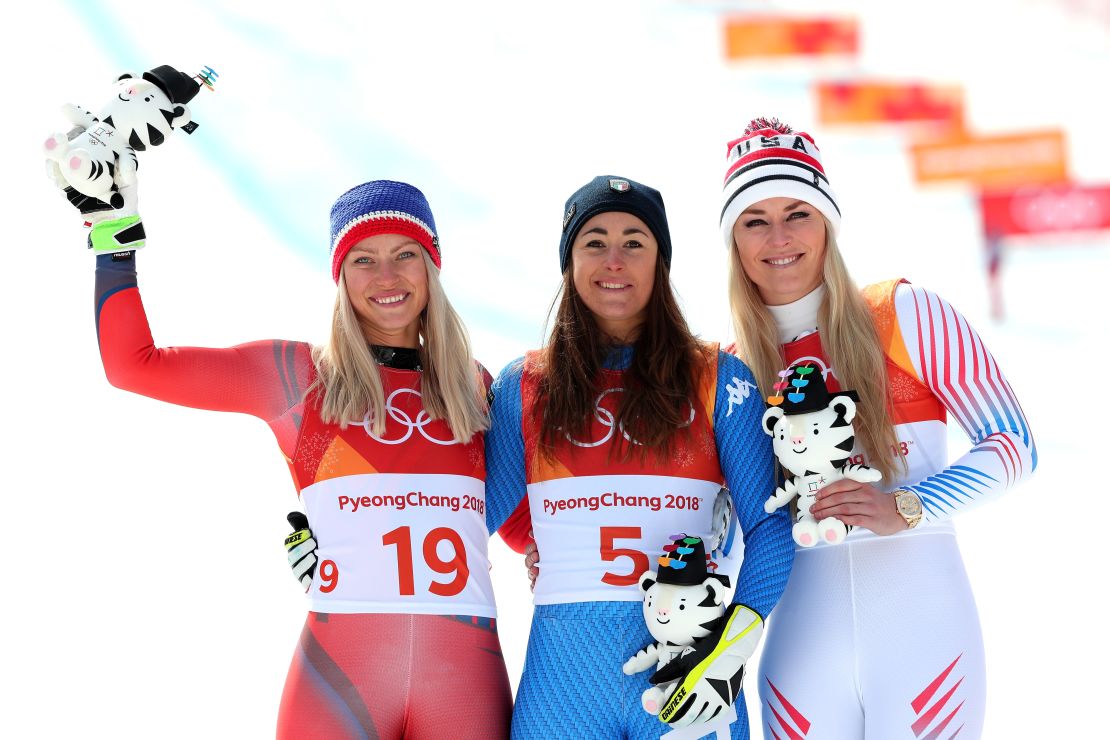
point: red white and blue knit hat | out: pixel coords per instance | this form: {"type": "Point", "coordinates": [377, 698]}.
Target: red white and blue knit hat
{"type": "Point", "coordinates": [381, 207]}
{"type": "Point", "coordinates": [771, 160]}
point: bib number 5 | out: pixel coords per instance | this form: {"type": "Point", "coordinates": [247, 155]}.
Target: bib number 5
{"type": "Point", "coordinates": [610, 552]}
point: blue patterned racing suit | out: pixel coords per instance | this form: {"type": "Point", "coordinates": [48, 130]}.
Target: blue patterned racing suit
{"type": "Point", "coordinates": [600, 518]}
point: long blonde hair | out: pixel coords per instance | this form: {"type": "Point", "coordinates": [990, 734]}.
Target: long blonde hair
{"type": "Point", "coordinates": [848, 337]}
{"type": "Point", "coordinates": [452, 386]}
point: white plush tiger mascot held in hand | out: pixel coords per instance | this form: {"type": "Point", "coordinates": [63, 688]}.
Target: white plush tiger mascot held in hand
{"type": "Point", "coordinates": [683, 602]}
{"type": "Point", "coordinates": [812, 436]}
{"type": "Point", "coordinates": [140, 112]}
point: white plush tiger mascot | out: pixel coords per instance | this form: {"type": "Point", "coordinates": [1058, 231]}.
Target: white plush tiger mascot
{"type": "Point", "coordinates": [683, 602]}
{"type": "Point", "coordinates": [812, 436]}
{"type": "Point", "coordinates": [140, 112]}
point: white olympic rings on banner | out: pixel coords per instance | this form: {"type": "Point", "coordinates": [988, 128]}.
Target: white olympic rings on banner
{"type": "Point", "coordinates": [605, 418]}
{"type": "Point", "coordinates": [401, 417]}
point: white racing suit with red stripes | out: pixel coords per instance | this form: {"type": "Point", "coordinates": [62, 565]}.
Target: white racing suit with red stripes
{"type": "Point", "coordinates": [878, 637]}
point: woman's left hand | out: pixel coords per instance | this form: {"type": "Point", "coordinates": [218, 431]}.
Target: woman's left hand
{"type": "Point", "coordinates": [532, 561]}
{"type": "Point", "coordinates": [859, 504]}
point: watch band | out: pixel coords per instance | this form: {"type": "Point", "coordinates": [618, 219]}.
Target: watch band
{"type": "Point", "coordinates": [912, 520]}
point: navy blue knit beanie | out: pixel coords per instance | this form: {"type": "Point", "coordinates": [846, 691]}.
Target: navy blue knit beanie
{"type": "Point", "coordinates": [607, 193]}
{"type": "Point", "coordinates": [381, 207]}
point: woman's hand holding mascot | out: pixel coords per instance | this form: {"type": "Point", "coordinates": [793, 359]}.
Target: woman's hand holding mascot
{"type": "Point", "coordinates": [703, 642]}
{"type": "Point", "coordinates": [812, 436]}
{"type": "Point", "coordinates": [97, 157]}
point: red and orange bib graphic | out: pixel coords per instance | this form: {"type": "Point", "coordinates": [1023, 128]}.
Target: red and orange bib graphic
{"type": "Point", "coordinates": [399, 516]}
{"type": "Point", "coordinates": [599, 515]}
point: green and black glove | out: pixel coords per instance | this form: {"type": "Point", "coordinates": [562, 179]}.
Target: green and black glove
{"type": "Point", "coordinates": [710, 672]}
{"type": "Point", "coordinates": [300, 547]}
{"type": "Point", "coordinates": [115, 226]}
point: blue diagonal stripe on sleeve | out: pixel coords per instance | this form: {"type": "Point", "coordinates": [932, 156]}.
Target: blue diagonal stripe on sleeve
{"type": "Point", "coordinates": [927, 502]}
{"type": "Point", "coordinates": [941, 494]}
{"type": "Point", "coordinates": [955, 484]}
{"type": "Point", "coordinates": [971, 472]}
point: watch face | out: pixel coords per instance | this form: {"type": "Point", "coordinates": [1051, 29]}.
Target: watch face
{"type": "Point", "coordinates": [908, 505]}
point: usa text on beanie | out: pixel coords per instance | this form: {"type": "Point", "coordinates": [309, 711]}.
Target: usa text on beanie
{"type": "Point", "coordinates": [771, 160]}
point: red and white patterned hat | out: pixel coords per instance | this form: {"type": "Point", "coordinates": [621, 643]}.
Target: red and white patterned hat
{"type": "Point", "coordinates": [771, 160]}
{"type": "Point", "coordinates": [381, 207]}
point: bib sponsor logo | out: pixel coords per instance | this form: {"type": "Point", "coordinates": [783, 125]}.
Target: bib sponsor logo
{"type": "Point", "coordinates": [398, 417]}
{"type": "Point", "coordinates": [613, 500]}
{"type": "Point", "coordinates": [412, 499]}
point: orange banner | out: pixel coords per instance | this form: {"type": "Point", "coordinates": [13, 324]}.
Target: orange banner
{"type": "Point", "coordinates": [1011, 160]}
{"type": "Point", "coordinates": [748, 37]}
{"type": "Point", "coordinates": [889, 102]}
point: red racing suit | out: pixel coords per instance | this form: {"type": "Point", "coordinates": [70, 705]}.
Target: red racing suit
{"type": "Point", "coordinates": [401, 635]}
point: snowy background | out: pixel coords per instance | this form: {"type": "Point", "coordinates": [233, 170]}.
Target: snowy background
{"type": "Point", "coordinates": [149, 591]}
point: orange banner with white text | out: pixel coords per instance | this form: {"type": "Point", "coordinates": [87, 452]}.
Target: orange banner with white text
{"type": "Point", "coordinates": [870, 102]}
{"type": "Point", "coordinates": [748, 37]}
{"type": "Point", "coordinates": [1007, 160]}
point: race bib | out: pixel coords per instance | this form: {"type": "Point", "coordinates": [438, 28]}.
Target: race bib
{"type": "Point", "coordinates": [400, 543]}
{"type": "Point", "coordinates": [597, 534]}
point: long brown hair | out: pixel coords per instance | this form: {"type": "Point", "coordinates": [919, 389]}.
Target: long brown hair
{"type": "Point", "coordinates": [849, 338]}
{"type": "Point", "coordinates": [667, 363]}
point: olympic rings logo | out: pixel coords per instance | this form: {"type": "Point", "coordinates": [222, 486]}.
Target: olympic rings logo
{"type": "Point", "coordinates": [606, 418]}
{"type": "Point", "coordinates": [401, 417]}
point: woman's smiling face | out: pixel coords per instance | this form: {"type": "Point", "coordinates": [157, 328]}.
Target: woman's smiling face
{"type": "Point", "coordinates": [387, 283]}
{"type": "Point", "coordinates": [781, 243]}
{"type": "Point", "coordinates": [613, 259]}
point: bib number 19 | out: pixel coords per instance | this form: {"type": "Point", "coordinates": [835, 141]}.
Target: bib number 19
{"type": "Point", "coordinates": [610, 552]}
{"type": "Point", "coordinates": [406, 580]}
{"type": "Point", "coordinates": [402, 538]}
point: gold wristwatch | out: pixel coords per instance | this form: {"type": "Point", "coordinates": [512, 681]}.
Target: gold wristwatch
{"type": "Point", "coordinates": [908, 505]}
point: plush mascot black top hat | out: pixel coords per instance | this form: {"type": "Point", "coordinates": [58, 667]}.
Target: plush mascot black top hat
{"type": "Point", "coordinates": [685, 562]}
{"type": "Point", "coordinates": [179, 87]}
{"type": "Point", "coordinates": [805, 390]}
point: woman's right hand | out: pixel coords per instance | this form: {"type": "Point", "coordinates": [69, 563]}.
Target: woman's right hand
{"type": "Point", "coordinates": [125, 197]}
{"type": "Point", "coordinates": [531, 562]}
{"type": "Point", "coordinates": [300, 549]}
